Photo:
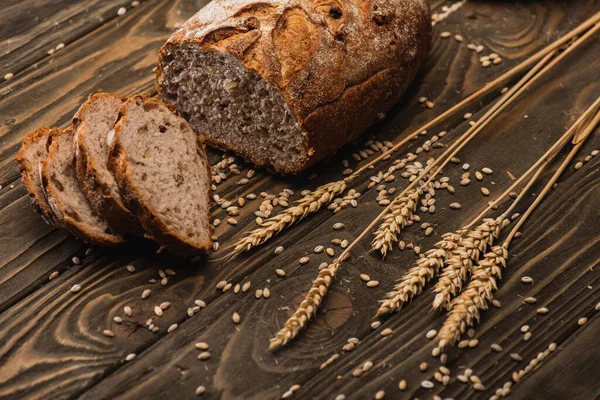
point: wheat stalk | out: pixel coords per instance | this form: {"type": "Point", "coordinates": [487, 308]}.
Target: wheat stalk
{"type": "Point", "coordinates": [303, 207]}
{"type": "Point", "coordinates": [395, 220]}
{"type": "Point", "coordinates": [465, 308]}
{"type": "Point", "coordinates": [307, 308]}
{"type": "Point", "coordinates": [461, 260]}
{"type": "Point", "coordinates": [277, 223]}
{"type": "Point", "coordinates": [413, 282]}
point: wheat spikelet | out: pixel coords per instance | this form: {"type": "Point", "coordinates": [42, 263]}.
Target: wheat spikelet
{"type": "Point", "coordinates": [460, 262]}
{"type": "Point", "coordinates": [394, 221]}
{"type": "Point", "coordinates": [413, 282]}
{"type": "Point", "coordinates": [464, 309]}
{"type": "Point", "coordinates": [275, 224]}
{"type": "Point", "coordinates": [307, 308]}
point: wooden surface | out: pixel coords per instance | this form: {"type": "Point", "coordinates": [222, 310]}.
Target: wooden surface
{"type": "Point", "coordinates": [51, 341]}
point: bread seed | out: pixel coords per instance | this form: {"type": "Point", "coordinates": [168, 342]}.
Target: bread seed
{"type": "Point", "coordinates": [455, 206]}
{"type": "Point", "coordinates": [146, 293]}
{"type": "Point", "coordinates": [431, 334]}
{"type": "Point", "coordinates": [372, 283]}
{"type": "Point", "coordinates": [130, 357]}
{"type": "Point", "coordinates": [202, 346]}
{"type": "Point", "coordinates": [108, 333]}
{"type": "Point", "coordinates": [200, 390]}
{"type": "Point", "coordinates": [386, 332]}
{"type": "Point", "coordinates": [582, 321]}
{"type": "Point", "coordinates": [205, 355]}
{"type": "Point", "coordinates": [278, 250]}
{"type": "Point", "coordinates": [75, 288]}
{"type": "Point", "coordinates": [171, 328]}
{"type": "Point", "coordinates": [280, 272]}
{"type": "Point", "coordinates": [542, 311]}
{"type": "Point", "coordinates": [423, 367]}
{"type": "Point", "coordinates": [427, 385]}
{"type": "Point", "coordinates": [235, 318]}
{"type": "Point", "coordinates": [485, 191]}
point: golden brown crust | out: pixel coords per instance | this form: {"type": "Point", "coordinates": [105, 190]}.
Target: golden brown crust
{"type": "Point", "coordinates": [168, 239]}
{"type": "Point", "coordinates": [68, 221]}
{"type": "Point", "coordinates": [94, 188]}
{"type": "Point", "coordinates": [29, 169]}
{"type": "Point", "coordinates": [337, 63]}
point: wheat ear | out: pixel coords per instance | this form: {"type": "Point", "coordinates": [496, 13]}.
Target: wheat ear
{"type": "Point", "coordinates": [461, 260]}
{"type": "Point", "coordinates": [413, 282]}
{"type": "Point", "coordinates": [307, 308]}
{"type": "Point", "coordinates": [307, 205]}
{"type": "Point", "coordinates": [465, 308]}
{"type": "Point", "coordinates": [395, 220]}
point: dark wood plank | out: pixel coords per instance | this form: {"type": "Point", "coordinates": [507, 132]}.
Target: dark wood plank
{"type": "Point", "coordinates": [52, 342]}
{"type": "Point", "coordinates": [30, 28]}
{"type": "Point", "coordinates": [569, 373]}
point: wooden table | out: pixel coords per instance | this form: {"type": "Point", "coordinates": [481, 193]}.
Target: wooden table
{"type": "Point", "coordinates": [51, 340]}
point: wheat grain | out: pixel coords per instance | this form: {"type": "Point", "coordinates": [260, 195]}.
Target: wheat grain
{"type": "Point", "coordinates": [413, 282]}
{"type": "Point", "coordinates": [464, 310]}
{"type": "Point", "coordinates": [307, 308]}
{"type": "Point", "coordinates": [461, 260]}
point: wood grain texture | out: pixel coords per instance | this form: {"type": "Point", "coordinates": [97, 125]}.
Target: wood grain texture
{"type": "Point", "coordinates": [30, 28]}
{"type": "Point", "coordinates": [51, 341]}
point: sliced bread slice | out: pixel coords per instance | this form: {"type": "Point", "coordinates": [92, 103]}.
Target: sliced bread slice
{"type": "Point", "coordinates": [163, 175]}
{"type": "Point", "coordinates": [65, 196]}
{"type": "Point", "coordinates": [92, 123]}
{"type": "Point", "coordinates": [33, 151]}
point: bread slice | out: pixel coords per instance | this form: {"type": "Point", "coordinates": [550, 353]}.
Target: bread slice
{"type": "Point", "coordinates": [65, 196]}
{"type": "Point", "coordinates": [92, 123]}
{"type": "Point", "coordinates": [163, 175]}
{"type": "Point", "coordinates": [33, 151]}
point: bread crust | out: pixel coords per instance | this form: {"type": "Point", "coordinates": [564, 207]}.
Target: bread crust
{"type": "Point", "coordinates": [29, 169]}
{"type": "Point", "coordinates": [94, 187]}
{"type": "Point", "coordinates": [57, 206]}
{"type": "Point", "coordinates": [156, 229]}
{"type": "Point", "coordinates": [337, 63]}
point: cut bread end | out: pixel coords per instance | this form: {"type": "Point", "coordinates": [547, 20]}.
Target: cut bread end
{"type": "Point", "coordinates": [233, 107]}
{"type": "Point", "coordinates": [65, 195]}
{"type": "Point", "coordinates": [92, 124]}
{"type": "Point", "coordinates": [33, 151]}
{"type": "Point", "coordinates": [163, 175]}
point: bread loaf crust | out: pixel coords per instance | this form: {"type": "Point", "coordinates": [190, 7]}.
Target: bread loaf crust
{"type": "Point", "coordinates": [155, 227]}
{"type": "Point", "coordinates": [337, 63]}
{"type": "Point", "coordinates": [94, 188]}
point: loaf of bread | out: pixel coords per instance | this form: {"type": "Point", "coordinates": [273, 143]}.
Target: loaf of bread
{"type": "Point", "coordinates": [92, 123]}
{"type": "Point", "coordinates": [287, 82]}
{"type": "Point", "coordinates": [163, 175]}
